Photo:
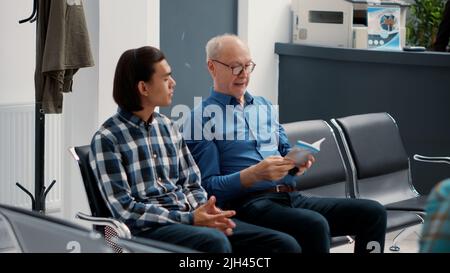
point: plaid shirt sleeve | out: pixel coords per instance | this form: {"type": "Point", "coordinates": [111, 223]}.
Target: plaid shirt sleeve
{"type": "Point", "coordinates": [112, 178]}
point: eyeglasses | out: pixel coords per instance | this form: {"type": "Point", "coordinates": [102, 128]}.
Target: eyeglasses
{"type": "Point", "coordinates": [237, 69]}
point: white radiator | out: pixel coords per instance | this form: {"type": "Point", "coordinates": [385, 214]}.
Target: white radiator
{"type": "Point", "coordinates": [17, 156]}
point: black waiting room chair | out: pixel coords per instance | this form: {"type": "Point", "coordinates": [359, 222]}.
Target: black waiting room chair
{"type": "Point", "coordinates": [24, 231]}
{"type": "Point", "coordinates": [379, 162]}
{"type": "Point", "coordinates": [330, 176]}
{"type": "Point", "coordinates": [380, 165]}
{"type": "Point", "coordinates": [102, 218]}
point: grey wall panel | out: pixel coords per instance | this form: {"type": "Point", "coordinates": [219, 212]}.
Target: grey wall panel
{"type": "Point", "coordinates": [186, 26]}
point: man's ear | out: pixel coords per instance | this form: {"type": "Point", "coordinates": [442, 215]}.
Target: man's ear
{"type": "Point", "coordinates": [211, 67]}
{"type": "Point", "coordinates": [143, 89]}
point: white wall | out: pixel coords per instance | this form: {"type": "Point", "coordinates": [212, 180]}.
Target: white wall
{"type": "Point", "coordinates": [17, 65]}
{"type": "Point", "coordinates": [17, 53]}
{"type": "Point", "coordinates": [123, 25]}
{"type": "Point", "coordinates": [262, 23]}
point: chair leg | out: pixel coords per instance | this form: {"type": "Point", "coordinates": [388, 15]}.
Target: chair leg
{"type": "Point", "coordinates": [402, 235]}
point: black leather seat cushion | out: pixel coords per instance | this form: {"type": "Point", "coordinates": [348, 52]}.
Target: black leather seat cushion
{"type": "Point", "coordinates": [413, 204]}
{"type": "Point", "coordinates": [400, 219]}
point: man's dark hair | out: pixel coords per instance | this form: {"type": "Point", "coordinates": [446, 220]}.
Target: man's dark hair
{"type": "Point", "coordinates": [134, 65]}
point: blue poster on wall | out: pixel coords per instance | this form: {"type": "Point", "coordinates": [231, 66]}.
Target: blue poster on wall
{"type": "Point", "coordinates": [383, 28]}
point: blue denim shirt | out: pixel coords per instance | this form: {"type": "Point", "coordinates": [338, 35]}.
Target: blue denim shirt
{"type": "Point", "coordinates": [225, 138]}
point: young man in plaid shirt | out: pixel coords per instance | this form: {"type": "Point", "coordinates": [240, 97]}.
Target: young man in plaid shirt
{"type": "Point", "coordinates": [148, 176]}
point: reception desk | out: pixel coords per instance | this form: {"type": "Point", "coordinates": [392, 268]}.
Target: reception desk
{"type": "Point", "coordinates": [414, 87]}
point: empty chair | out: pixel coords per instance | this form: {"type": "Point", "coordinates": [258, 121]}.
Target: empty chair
{"type": "Point", "coordinates": [379, 162]}
{"type": "Point", "coordinates": [380, 169]}
{"type": "Point", "coordinates": [30, 232]}
{"type": "Point", "coordinates": [329, 176]}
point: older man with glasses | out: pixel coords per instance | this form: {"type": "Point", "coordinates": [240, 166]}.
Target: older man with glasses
{"type": "Point", "coordinates": [239, 147]}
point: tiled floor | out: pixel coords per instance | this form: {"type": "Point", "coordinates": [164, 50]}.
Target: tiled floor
{"type": "Point", "coordinates": [408, 245]}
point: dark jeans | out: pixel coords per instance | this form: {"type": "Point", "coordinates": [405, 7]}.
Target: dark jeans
{"type": "Point", "coordinates": [246, 238]}
{"type": "Point", "coordinates": [312, 220]}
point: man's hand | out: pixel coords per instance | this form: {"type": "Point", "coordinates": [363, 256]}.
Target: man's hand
{"type": "Point", "coordinates": [305, 166]}
{"type": "Point", "coordinates": [271, 168]}
{"type": "Point", "coordinates": [208, 215]}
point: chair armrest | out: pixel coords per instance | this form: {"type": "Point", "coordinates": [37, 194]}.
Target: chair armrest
{"type": "Point", "coordinates": [431, 159]}
{"type": "Point", "coordinates": [122, 230]}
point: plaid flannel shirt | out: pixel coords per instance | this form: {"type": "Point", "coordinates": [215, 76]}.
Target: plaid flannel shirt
{"type": "Point", "coordinates": [145, 171]}
{"type": "Point", "coordinates": [436, 228]}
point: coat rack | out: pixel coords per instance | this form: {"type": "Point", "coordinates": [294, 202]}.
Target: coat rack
{"type": "Point", "coordinates": [33, 15]}
{"type": "Point", "coordinates": [40, 192]}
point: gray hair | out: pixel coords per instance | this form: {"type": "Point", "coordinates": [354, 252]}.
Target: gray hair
{"type": "Point", "coordinates": [214, 45]}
